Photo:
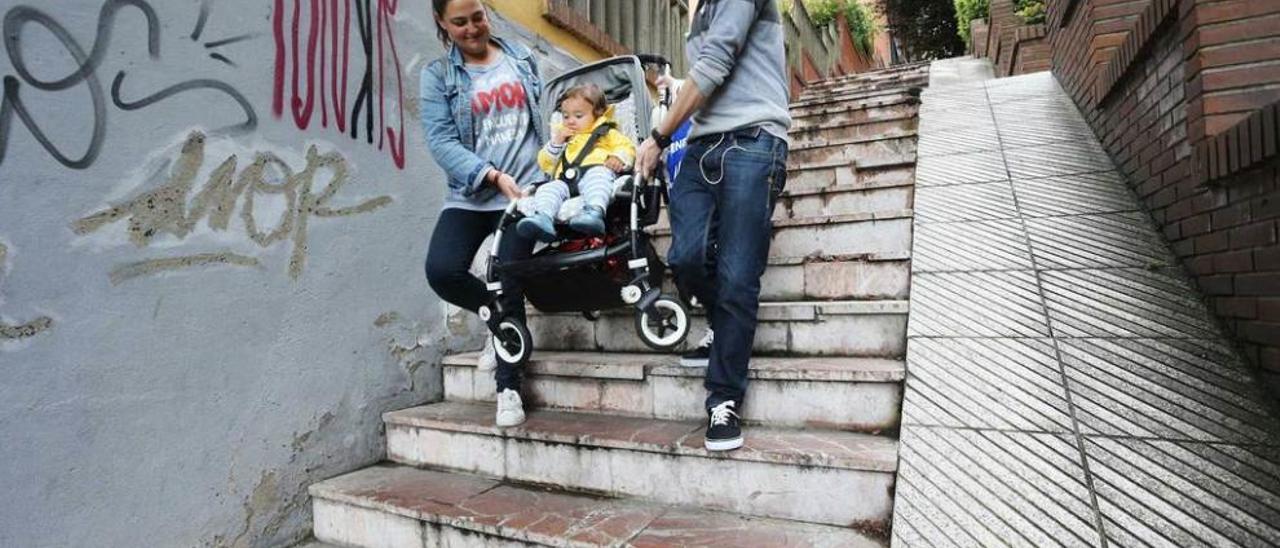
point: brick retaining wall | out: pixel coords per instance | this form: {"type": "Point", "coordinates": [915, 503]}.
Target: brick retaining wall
{"type": "Point", "coordinates": [1183, 95]}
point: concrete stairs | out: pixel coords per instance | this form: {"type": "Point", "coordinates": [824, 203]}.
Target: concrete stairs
{"type": "Point", "coordinates": [611, 453]}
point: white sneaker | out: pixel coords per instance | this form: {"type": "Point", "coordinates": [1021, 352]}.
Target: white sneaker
{"type": "Point", "coordinates": [701, 355]}
{"type": "Point", "coordinates": [510, 408]}
{"type": "Point", "coordinates": [488, 360]}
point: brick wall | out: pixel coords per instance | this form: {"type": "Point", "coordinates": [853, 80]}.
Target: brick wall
{"type": "Point", "coordinates": [1014, 48]}
{"type": "Point", "coordinates": [1178, 91]}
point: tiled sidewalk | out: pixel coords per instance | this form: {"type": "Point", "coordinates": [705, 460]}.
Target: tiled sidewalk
{"type": "Point", "coordinates": [1065, 384]}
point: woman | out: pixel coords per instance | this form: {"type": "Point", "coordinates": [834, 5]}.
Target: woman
{"type": "Point", "coordinates": [479, 109]}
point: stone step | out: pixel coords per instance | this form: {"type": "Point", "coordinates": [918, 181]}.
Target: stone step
{"type": "Point", "coordinates": [390, 505]}
{"type": "Point", "coordinates": [884, 108]}
{"type": "Point", "coordinates": [865, 173]}
{"type": "Point", "coordinates": [895, 137]}
{"type": "Point", "coordinates": [850, 234]}
{"type": "Point", "coordinates": [875, 276]}
{"type": "Point", "coordinates": [851, 150]}
{"type": "Point", "coordinates": [816, 328]}
{"type": "Point", "coordinates": [870, 129]}
{"type": "Point", "coordinates": [910, 85]}
{"type": "Point", "coordinates": [859, 94]}
{"type": "Point", "coordinates": [805, 199]}
{"type": "Point", "coordinates": [819, 476]}
{"type": "Point", "coordinates": [855, 394]}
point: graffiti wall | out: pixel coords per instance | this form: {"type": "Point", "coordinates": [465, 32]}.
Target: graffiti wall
{"type": "Point", "coordinates": [213, 215]}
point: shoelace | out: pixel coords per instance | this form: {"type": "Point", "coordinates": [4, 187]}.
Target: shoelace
{"type": "Point", "coordinates": [720, 414]}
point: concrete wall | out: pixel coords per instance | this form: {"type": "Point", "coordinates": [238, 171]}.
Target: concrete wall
{"type": "Point", "coordinates": [209, 290]}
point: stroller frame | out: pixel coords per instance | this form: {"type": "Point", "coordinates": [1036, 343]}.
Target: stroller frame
{"type": "Point", "coordinates": [661, 320]}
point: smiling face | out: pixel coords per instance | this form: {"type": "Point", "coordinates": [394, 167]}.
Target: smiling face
{"type": "Point", "coordinates": [578, 114]}
{"type": "Point", "coordinates": [467, 24]}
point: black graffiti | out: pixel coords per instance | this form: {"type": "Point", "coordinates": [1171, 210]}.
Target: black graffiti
{"type": "Point", "coordinates": [364, 97]}
{"type": "Point", "coordinates": [12, 104]}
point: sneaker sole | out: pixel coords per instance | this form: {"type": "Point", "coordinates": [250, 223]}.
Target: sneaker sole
{"type": "Point", "coordinates": [724, 445]}
{"type": "Point", "coordinates": [687, 362]}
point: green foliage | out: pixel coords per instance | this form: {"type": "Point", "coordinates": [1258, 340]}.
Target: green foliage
{"type": "Point", "coordinates": [862, 22]}
{"type": "Point", "coordinates": [966, 12]}
{"type": "Point", "coordinates": [925, 29]}
{"type": "Point", "coordinates": [1032, 12]}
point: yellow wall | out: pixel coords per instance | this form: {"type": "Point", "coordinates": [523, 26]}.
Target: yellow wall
{"type": "Point", "coordinates": [528, 13]}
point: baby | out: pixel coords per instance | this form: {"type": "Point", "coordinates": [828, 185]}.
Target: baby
{"type": "Point", "coordinates": [571, 156]}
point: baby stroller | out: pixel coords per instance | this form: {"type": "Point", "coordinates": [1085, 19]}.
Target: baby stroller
{"type": "Point", "coordinates": [577, 273]}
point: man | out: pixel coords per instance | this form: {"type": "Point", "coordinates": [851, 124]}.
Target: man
{"type": "Point", "coordinates": [723, 196]}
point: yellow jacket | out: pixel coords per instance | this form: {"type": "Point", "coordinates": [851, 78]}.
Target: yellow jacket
{"type": "Point", "coordinates": [613, 143]}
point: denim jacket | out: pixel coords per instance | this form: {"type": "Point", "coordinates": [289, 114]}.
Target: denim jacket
{"type": "Point", "coordinates": [445, 101]}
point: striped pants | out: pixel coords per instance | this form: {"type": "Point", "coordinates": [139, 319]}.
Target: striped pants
{"type": "Point", "coordinates": [595, 185]}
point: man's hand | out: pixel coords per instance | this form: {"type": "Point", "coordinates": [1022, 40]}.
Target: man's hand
{"type": "Point", "coordinates": [647, 157]}
{"type": "Point", "coordinates": [615, 163]}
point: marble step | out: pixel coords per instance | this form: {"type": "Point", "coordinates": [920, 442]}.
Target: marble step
{"type": "Point", "coordinates": [850, 94]}
{"type": "Point", "coordinates": [887, 231]}
{"type": "Point", "coordinates": [865, 277]}
{"type": "Point", "coordinates": [825, 328]}
{"type": "Point", "coordinates": [855, 394]}
{"type": "Point", "coordinates": [865, 173]}
{"type": "Point", "coordinates": [863, 89]}
{"type": "Point", "coordinates": [876, 276]}
{"type": "Point", "coordinates": [390, 505]}
{"type": "Point", "coordinates": [833, 196]}
{"type": "Point", "coordinates": [819, 476]}
{"type": "Point", "coordinates": [882, 108]}
{"type": "Point", "coordinates": [821, 129]}
{"type": "Point", "coordinates": [852, 150]}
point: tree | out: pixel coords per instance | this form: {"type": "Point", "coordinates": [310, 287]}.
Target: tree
{"type": "Point", "coordinates": [924, 29]}
{"type": "Point", "coordinates": [966, 12]}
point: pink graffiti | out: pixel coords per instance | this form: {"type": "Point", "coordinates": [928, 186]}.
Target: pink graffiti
{"type": "Point", "coordinates": [313, 60]}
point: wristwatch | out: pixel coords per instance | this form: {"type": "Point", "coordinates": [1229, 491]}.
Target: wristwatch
{"type": "Point", "coordinates": [663, 141]}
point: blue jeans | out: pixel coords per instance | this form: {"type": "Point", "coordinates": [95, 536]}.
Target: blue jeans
{"type": "Point", "coordinates": [454, 244]}
{"type": "Point", "coordinates": [721, 205]}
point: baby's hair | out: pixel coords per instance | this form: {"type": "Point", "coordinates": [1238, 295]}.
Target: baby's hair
{"type": "Point", "coordinates": [590, 93]}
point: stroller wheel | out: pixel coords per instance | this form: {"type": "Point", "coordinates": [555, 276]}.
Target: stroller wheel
{"type": "Point", "coordinates": [513, 344]}
{"type": "Point", "coordinates": [666, 328]}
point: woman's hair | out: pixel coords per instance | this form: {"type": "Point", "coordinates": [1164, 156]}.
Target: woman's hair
{"type": "Point", "coordinates": [438, 7]}
{"type": "Point", "coordinates": [590, 93]}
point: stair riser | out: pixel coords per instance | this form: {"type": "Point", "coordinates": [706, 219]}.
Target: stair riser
{"type": "Point", "coordinates": [844, 203]}
{"type": "Point", "coordinates": [832, 202]}
{"type": "Point", "coordinates": [856, 406]}
{"type": "Point", "coordinates": [831, 281]}
{"type": "Point", "coordinates": [836, 280]}
{"type": "Point", "coordinates": [856, 152]}
{"type": "Point", "coordinates": [808, 180]}
{"type": "Point", "coordinates": [861, 237]}
{"type": "Point", "coordinates": [856, 131]}
{"type": "Point", "coordinates": [812, 494]}
{"type": "Point", "coordinates": [869, 335]}
{"type": "Point", "coordinates": [349, 525]}
{"type": "Point", "coordinates": [837, 114]}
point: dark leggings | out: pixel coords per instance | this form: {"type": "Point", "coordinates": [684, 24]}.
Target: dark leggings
{"type": "Point", "coordinates": [454, 243]}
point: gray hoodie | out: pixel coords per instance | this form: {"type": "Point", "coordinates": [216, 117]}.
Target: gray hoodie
{"type": "Point", "coordinates": [739, 63]}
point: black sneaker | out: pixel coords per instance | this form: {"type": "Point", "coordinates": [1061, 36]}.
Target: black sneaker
{"type": "Point", "coordinates": [723, 432]}
{"type": "Point", "coordinates": [700, 356]}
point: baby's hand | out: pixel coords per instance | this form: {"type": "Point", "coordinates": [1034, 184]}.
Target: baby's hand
{"type": "Point", "coordinates": [561, 134]}
{"type": "Point", "coordinates": [615, 163]}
